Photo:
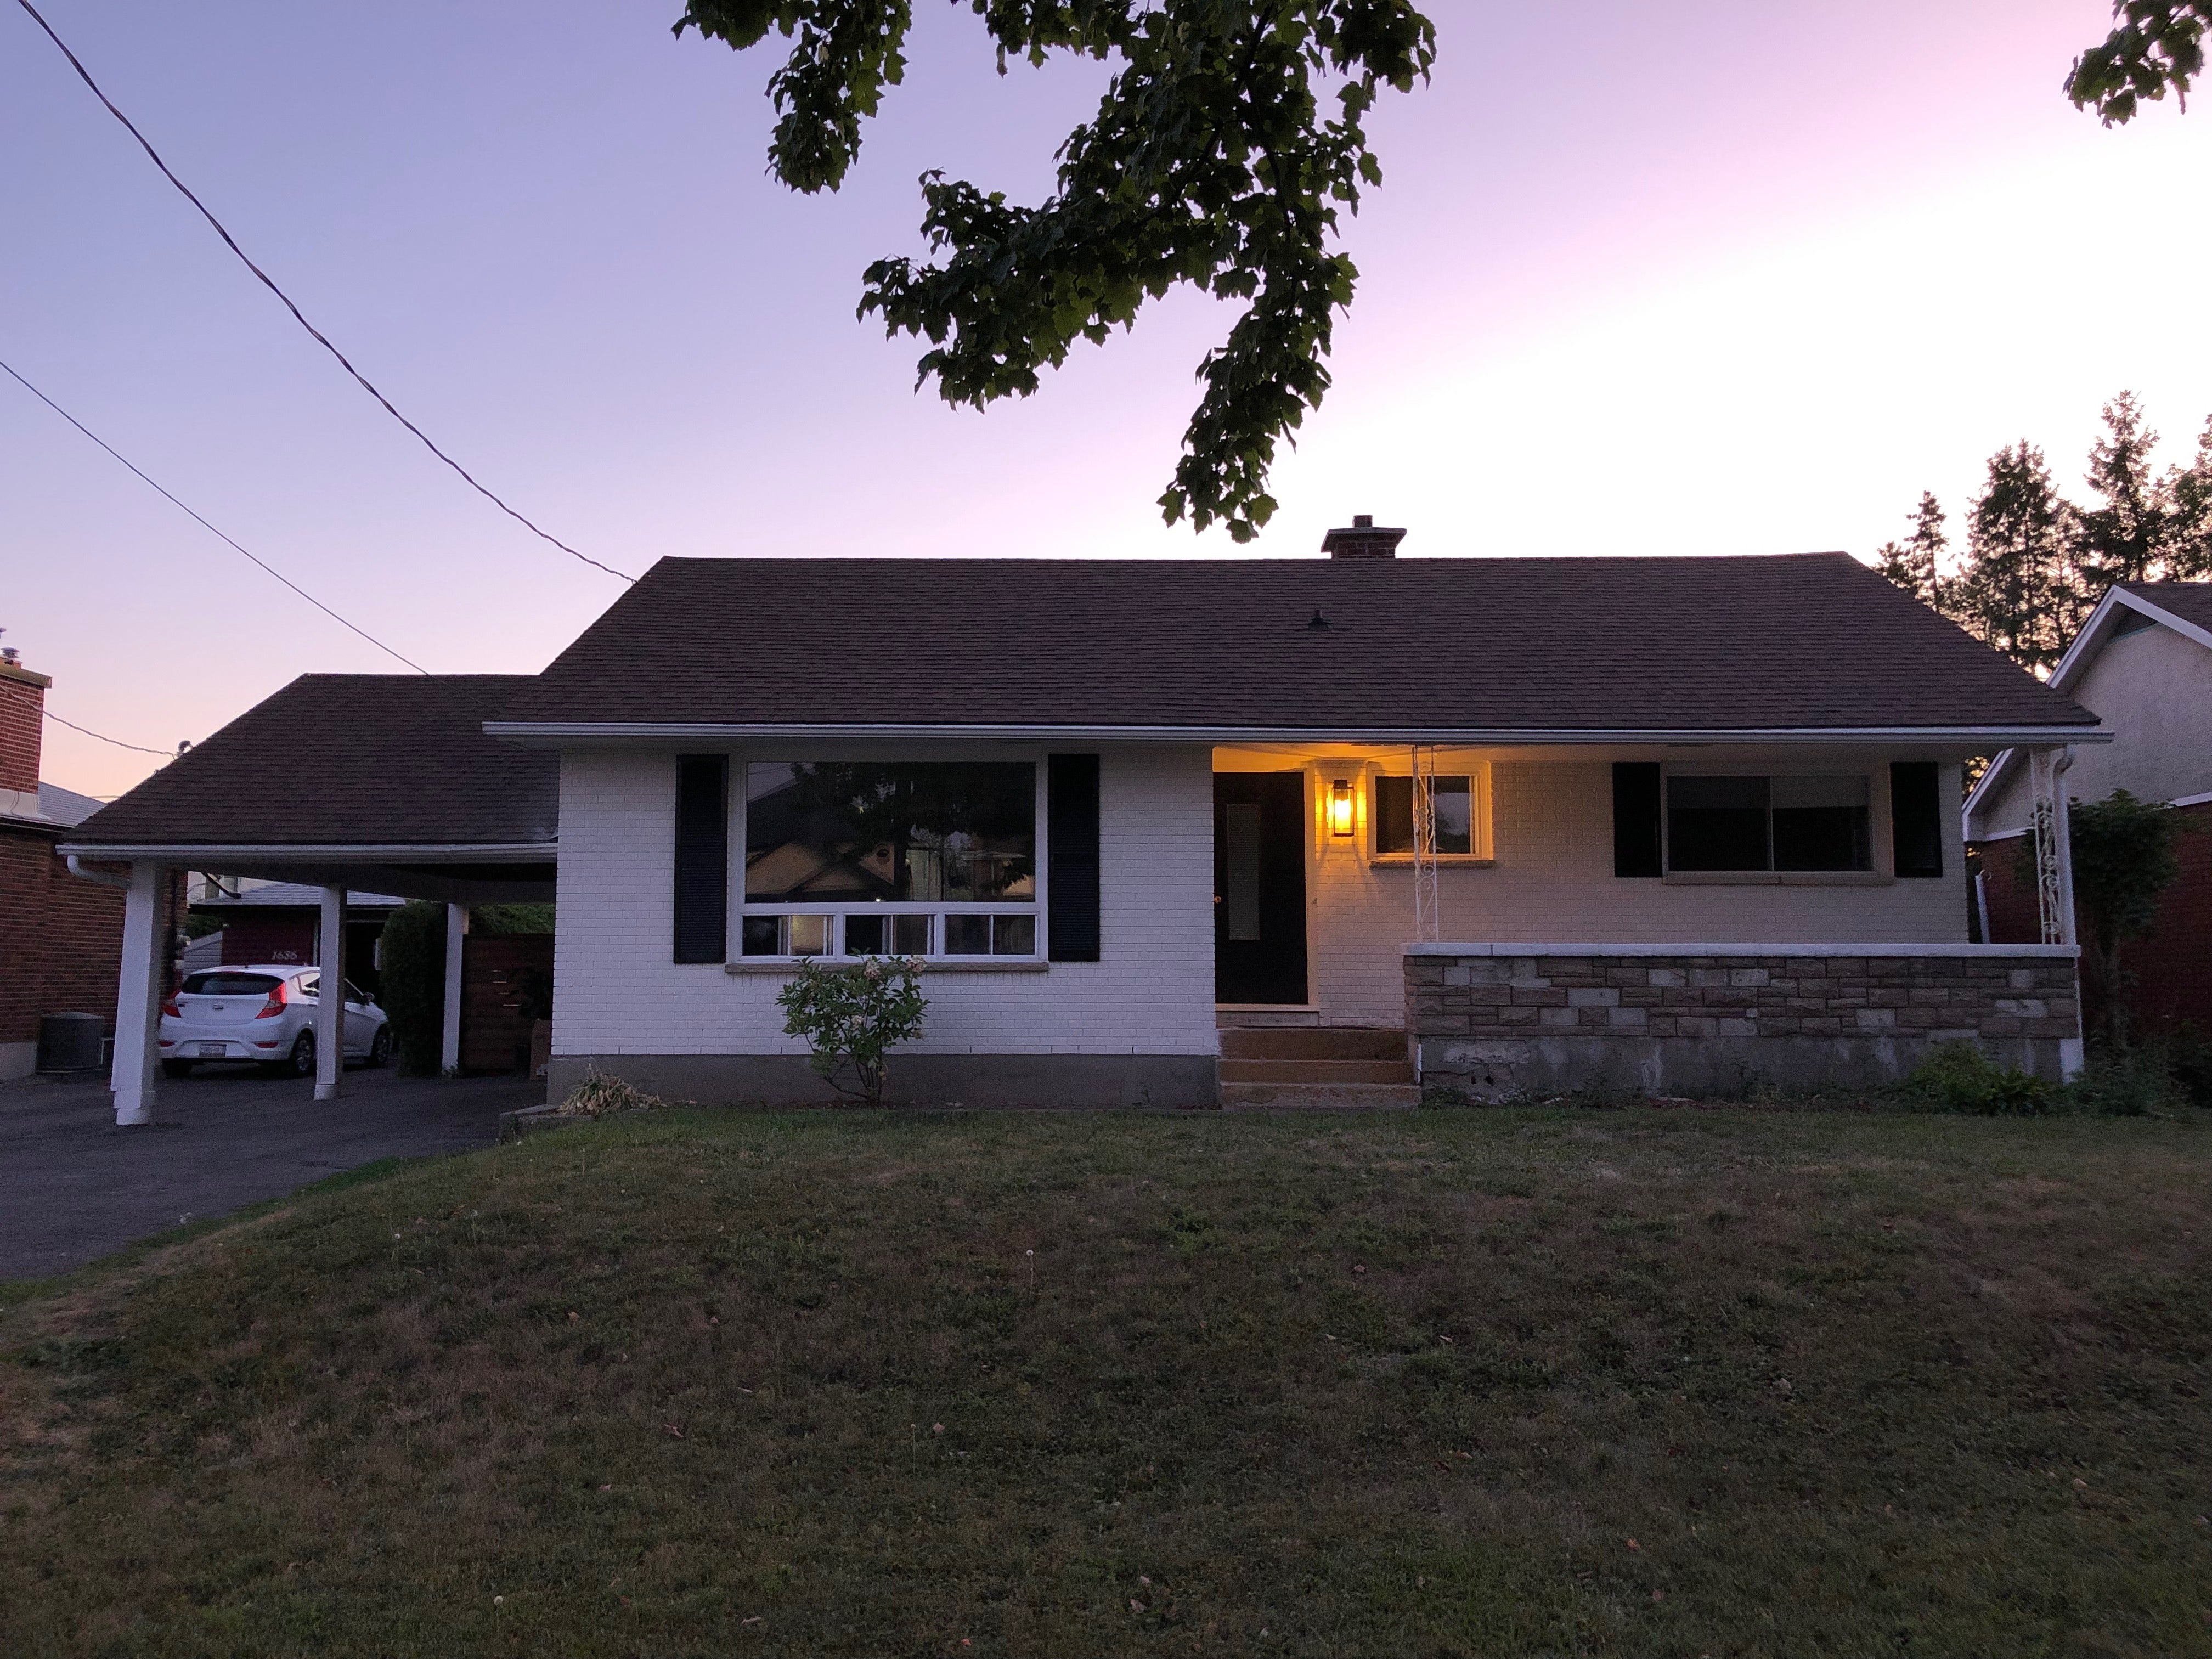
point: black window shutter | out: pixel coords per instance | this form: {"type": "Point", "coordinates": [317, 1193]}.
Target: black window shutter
{"type": "Point", "coordinates": [702, 858]}
{"type": "Point", "coordinates": [1916, 816]}
{"type": "Point", "coordinates": [1636, 818]}
{"type": "Point", "coordinates": [1070, 795]}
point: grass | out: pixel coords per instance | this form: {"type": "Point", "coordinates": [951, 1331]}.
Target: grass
{"type": "Point", "coordinates": [1514, 1383]}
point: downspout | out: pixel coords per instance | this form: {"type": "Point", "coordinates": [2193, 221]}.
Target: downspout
{"type": "Point", "coordinates": [97, 877]}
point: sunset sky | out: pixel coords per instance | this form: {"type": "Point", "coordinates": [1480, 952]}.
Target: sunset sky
{"type": "Point", "coordinates": [1723, 275]}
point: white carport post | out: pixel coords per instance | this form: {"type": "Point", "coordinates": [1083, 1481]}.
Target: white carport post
{"type": "Point", "coordinates": [330, 1006]}
{"type": "Point", "coordinates": [457, 928]}
{"type": "Point", "coordinates": [138, 997]}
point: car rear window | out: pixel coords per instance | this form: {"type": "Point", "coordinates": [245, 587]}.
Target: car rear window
{"type": "Point", "coordinates": [230, 985]}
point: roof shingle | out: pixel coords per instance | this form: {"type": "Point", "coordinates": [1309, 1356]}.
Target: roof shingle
{"type": "Point", "coordinates": [1801, 640]}
{"type": "Point", "coordinates": [2191, 601]}
{"type": "Point", "coordinates": [334, 759]}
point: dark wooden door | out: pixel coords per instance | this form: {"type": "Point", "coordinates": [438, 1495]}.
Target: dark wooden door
{"type": "Point", "coordinates": [1259, 887]}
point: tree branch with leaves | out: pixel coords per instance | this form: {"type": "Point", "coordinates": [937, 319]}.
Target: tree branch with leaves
{"type": "Point", "coordinates": [1211, 161]}
{"type": "Point", "coordinates": [2155, 46]}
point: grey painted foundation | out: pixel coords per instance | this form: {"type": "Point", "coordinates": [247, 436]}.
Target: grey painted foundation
{"type": "Point", "coordinates": [1132, 1081]}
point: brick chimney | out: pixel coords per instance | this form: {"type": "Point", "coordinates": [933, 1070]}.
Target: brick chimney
{"type": "Point", "coordinates": [1362, 541]}
{"type": "Point", "coordinates": [22, 719]}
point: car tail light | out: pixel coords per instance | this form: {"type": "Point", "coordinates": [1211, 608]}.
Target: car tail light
{"type": "Point", "coordinates": [169, 1009]}
{"type": "Point", "coordinates": [275, 1005]}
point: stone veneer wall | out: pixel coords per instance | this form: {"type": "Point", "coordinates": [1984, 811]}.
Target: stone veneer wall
{"type": "Point", "coordinates": [1505, 1020]}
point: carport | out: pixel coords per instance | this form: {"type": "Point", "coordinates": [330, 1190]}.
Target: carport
{"type": "Point", "coordinates": [381, 782]}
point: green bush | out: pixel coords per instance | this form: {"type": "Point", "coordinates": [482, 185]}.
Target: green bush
{"type": "Point", "coordinates": [412, 961]}
{"type": "Point", "coordinates": [1957, 1076]}
{"type": "Point", "coordinates": [495, 920]}
{"type": "Point", "coordinates": [2192, 1065]}
{"type": "Point", "coordinates": [852, 1017]}
{"type": "Point", "coordinates": [2127, 1084]}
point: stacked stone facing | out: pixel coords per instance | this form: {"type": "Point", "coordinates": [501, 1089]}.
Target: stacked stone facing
{"type": "Point", "coordinates": [1505, 1023]}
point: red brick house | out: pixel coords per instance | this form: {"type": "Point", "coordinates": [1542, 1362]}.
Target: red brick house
{"type": "Point", "coordinates": [61, 938]}
{"type": "Point", "coordinates": [2143, 661]}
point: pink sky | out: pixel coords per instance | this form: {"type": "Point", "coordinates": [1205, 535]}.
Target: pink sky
{"type": "Point", "coordinates": [1734, 277]}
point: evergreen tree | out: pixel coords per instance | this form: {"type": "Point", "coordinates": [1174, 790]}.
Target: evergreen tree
{"type": "Point", "coordinates": [1916, 564]}
{"type": "Point", "coordinates": [2189, 498]}
{"type": "Point", "coordinates": [2125, 539]}
{"type": "Point", "coordinates": [2021, 590]}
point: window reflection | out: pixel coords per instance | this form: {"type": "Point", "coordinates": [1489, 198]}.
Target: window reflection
{"type": "Point", "coordinates": [892, 832]}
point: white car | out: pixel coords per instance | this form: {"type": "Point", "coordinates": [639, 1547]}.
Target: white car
{"type": "Point", "coordinates": [265, 1014]}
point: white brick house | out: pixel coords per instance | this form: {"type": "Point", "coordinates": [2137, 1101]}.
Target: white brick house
{"type": "Point", "coordinates": [1171, 832]}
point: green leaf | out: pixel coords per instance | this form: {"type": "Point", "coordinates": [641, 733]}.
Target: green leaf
{"type": "Point", "coordinates": [1207, 163]}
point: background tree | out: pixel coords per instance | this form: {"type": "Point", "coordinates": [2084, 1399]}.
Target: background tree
{"type": "Point", "coordinates": [2123, 861]}
{"type": "Point", "coordinates": [2189, 495]}
{"type": "Point", "coordinates": [2125, 539]}
{"type": "Point", "coordinates": [1209, 161]}
{"type": "Point", "coordinates": [2035, 565]}
{"type": "Point", "coordinates": [1916, 564]}
{"type": "Point", "coordinates": [2021, 590]}
{"type": "Point", "coordinates": [2155, 44]}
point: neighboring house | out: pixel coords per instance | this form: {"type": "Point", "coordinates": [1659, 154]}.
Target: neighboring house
{"type": "Point", "coordinates": [1180, 831]}
{"type": "Point", "coordinates": [60, 938]}
{"type": "Point", "coordinates": [273, 922]}
{"type": "Point", "coordinates": [2143, 661]}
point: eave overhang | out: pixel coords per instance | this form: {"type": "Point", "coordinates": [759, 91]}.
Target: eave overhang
{"type": "Point", "coordinates": [556, 735]}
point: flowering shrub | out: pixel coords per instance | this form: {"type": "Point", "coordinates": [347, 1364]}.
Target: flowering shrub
{"type": "Point", "coordinates": [851, 1018]}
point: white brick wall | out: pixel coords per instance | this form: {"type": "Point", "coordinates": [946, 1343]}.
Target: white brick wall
{"type": "Point", "coordinates": [617, 991]}
{"type": "Point", "coordinates": [1553, 882]}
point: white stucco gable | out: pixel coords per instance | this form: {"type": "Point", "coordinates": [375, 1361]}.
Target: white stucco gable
{"type": "Point", "coordinates": [2147, 673]}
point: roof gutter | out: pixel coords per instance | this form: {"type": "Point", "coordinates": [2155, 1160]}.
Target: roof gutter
{"type": "Point", "coordinates": [97, 878]}
{"type": "Point", "coordinates": [556, 733]}
{"type": "Point", "coordinates": [534, 852]}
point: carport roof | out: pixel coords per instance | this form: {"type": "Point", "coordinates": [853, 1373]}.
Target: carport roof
{"type": "Point", "coordinates": [349, 761]}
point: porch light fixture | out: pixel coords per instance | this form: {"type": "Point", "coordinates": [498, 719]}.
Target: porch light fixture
{"type": "Point", "coordinates": [1340, 807]}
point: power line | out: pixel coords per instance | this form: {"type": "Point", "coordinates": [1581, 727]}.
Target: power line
{"type": "Point", "coordinates": [210, 528]}
{"type": "Point", "coordinates": [321, 338]}
{"type": "Point", "coordinates": [104, 737]}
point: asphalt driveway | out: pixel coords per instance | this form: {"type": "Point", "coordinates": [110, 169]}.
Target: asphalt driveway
{"type": "Point", "coordinates": [74, 1186]}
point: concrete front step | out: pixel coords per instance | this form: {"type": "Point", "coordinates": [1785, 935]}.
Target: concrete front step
{"type": "Point", "coordinates": [1320, 1098]}
{"type": "Point", "coordinates": [1323, 1073]}
{"type": "Point", "coordinates": [1311, 1043]}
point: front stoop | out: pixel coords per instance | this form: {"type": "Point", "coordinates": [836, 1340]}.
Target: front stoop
{"type": "Point", "coordinates": [1316, 1068]}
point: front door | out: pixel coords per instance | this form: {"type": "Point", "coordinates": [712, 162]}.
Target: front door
{"type": "Point", "coordinates": [1260, 887]}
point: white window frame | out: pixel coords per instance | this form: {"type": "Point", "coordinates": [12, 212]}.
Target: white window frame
{"type": "Point", "coordinates": [741, 907]}
{"type": "Point", "coordinates": [1476, 774]}
{"type": "Point", "coordinates": [1881, 839]}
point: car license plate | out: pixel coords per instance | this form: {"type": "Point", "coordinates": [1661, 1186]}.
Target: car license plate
{"type": "Point", "coordinates": [212, 1050]}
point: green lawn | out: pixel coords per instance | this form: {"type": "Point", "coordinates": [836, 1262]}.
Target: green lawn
{"type": "Point", "coordinates": [1484, 1383]}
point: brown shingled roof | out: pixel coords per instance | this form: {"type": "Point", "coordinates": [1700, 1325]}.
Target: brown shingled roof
{"type": "Point", "coordinates": [378, 759]}
{"type": "Point", "coordinates": [1802, 640]}
{"type": "Point", "coordinates": [2191, 601]}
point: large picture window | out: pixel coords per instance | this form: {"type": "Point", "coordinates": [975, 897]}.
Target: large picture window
{"type": "Point", "coordinates": [1732, 824]}
{"type": "Point", "coordinates": [827, 842]}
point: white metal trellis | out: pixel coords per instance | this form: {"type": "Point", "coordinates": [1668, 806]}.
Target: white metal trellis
{"type": "Point", "coordinates": [2047, 824]}
{"type": "Point", "coordinates": [1427, 923]}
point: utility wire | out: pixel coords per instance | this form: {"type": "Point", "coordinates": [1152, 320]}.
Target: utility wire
{"type": "Point", "coordinates": [321, 338]}
{"type": "Point", "coordinates": [136, 747]}
{"type": "Point", "coordinates": [205, 526]}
